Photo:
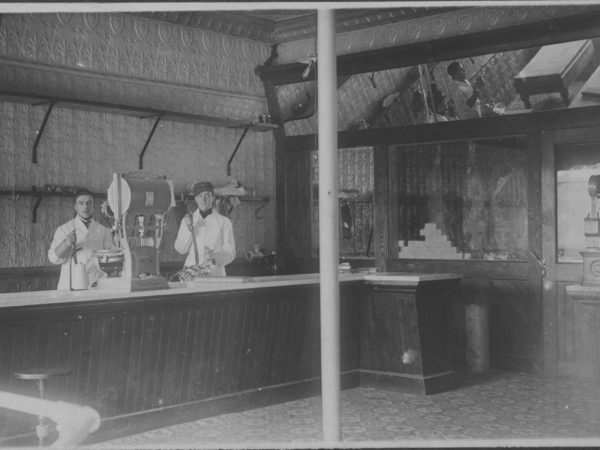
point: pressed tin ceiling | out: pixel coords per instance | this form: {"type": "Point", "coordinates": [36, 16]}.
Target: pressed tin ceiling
{"type": "Point", "coordinates": [286, 25]}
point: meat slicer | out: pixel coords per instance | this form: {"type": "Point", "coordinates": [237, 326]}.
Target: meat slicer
{"type": "Point", "coordinates": [139, 202]}
{"type": "Point", "coordinates": [591, 226]}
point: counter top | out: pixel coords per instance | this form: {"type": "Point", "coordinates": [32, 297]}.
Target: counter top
{"type": "Point", "coordinates": [214, 285]}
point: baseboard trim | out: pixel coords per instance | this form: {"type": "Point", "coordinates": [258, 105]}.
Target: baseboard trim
{"type": "Point", "coordinates": [409, 383]}
{"type": "Point", "coordinates": [125, 425]}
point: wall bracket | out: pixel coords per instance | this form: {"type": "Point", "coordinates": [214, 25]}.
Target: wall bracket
{"type": "Point", "coordinates": [141, 158]}
{"type": "Point", "coordinates": [236, 148]}
{"type": "Point", "coordinates": [39, 133]}
{"type": "Point", "coordinates": [38, 200]}
{"type": "Point", "coordinates": [40, 194]}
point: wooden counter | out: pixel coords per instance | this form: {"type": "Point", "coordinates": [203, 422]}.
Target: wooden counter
{"type": "Point", "coordinates": [586, 317]}
{"type": "Point", "coordinates": [148, 359]}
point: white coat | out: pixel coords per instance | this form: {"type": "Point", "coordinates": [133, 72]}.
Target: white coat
{"type": "Point", "coordinates": [96, 237]}
{"type": "Point", "coordinates": [463, 91]}
{"type": "Point", "coordinates": [215, 232]}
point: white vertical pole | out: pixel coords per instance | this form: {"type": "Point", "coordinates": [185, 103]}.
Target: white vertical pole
{"type": "Point", "coordinates": [328, 224]}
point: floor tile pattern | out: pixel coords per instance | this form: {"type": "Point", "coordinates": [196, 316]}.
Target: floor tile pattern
{"type": "Point", "coordinates": [496, 407]}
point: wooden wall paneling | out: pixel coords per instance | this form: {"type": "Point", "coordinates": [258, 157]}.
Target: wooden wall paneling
{"type": "Point", "coordinates": [298, 195]}
{"type": "Point", "coordinates": [128, 356]}
{"type": "Point", "coordinates": [232, 346]}
{"type": "Point", "coordinates": [385, 205]}
{"type": "Point", "coordinates": [496, 270]}
{"type": "Point", "coordinates": [566, 329]}
{"type": "Point", "coordinates": [245, 357]}
{"type": "Point", "coordinates": [292, 336]}
{"type": "Point", "coordinates": [404, 337]}
{"type": "Point", "coordinates": [113, 374]}
{"type": "Point", "coordinates": [576, 135]}
{"type": "Point", "coordinates": [586, 361]}
{"type": "Point", "coordinates": [267, 341]}
{"type": "Point", "coordinates": [280, 171]}
{"type": "Point", "coordinates": [389, 312]}
{"type": "Point", "coordinates": [534, 225]}
{"type": "Point", "coordinates": [353, 295]}
{"type": "Point", "coordinates": [514, 331]}
{"type": "Point", "coordinates": [505, 285]}
{"type": "Point", "coordinates": [548, 200]}
{"type": "Point", "coordinates": [244, 347]}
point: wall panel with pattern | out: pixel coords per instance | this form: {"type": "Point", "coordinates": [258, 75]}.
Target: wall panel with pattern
{"type": "Point", "coordinates": [118, 58]}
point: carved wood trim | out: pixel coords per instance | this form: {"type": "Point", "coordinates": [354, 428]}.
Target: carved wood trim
{"type": "Point", "coordinates": [280, 175]}
{"type": "Point", "coordinates": [486, 127]}
{"type": "Point", "coordinates": [385, 207]}
{"type": "Point", "coordinates": [548, 223]}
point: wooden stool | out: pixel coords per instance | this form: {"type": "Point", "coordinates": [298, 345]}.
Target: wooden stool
{"type": "Point", "coordinates": [41, 375]}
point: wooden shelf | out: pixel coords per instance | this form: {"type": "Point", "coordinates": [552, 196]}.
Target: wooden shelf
{"type": "Point", "coordinates": [134, 111]}
{"type": "Point", "coordinates": [42, 193]}
{"type": "Point", "coordinates": [39, 195]}
{"type": "Point", "coordinates": [157, 115]}
{"type": "Point", "coordinates": [349, 200]}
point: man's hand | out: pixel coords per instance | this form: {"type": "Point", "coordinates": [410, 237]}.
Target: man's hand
{"type": "Point", "coordinates": [473, 98]}
{"type": "Point", "coordinates": [478, 83]}
{"type": "Point", "coordinates": [72, 237]}
{"type": "Point", "coordinates": [220, 257]}
{"type": "Point", "coordinates": [187, 221]}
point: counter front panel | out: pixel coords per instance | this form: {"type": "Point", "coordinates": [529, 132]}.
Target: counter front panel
{"type": "Point", "coordinates": [179, 354]}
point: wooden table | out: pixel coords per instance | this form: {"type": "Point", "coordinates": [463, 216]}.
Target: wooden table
{"type": "Point", "coordinates": [553, 68]}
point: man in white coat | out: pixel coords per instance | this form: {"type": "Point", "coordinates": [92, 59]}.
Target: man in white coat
{"type": "Point", "coordinates": [77, 240]}
{"type": "Point", "coordinates": [206, 236]}
{"type": "Point", "coordinates": [466, 96]}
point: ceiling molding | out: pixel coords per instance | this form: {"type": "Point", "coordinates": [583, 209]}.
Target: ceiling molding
{"type": "Point", "coordinates": [560, 29]}
{"type": "Point", "coordinates": [292, 29]}
{"type": "Point", "coordinates": [286, 26]}
{"type": "Point", "coordinates": [234, 24]}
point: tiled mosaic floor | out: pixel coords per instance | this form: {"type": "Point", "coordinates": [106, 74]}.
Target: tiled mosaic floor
{"type": "Point", "coordinates": [495, 409]}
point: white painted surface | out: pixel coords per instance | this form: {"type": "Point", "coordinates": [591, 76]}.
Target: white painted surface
{"type": "Point", "coordinates": [214, 285]}
{"type": "Point", "coordinates": [329, 225]}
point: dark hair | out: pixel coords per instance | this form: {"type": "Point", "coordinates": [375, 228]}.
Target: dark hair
{"type": "Point", "coordinates": [453, 67]}
{"type": "Point", "coordinates": [81, 192]}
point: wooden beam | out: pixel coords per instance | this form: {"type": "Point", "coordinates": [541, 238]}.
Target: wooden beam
{"type": "Point", "coordinates": [457, 130]}
{"type": "Point", "coordinates": [560, 29]}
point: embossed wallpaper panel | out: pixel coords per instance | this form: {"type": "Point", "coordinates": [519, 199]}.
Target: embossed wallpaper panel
{"type": "Point", "coordinates": [122, 44]}
{"type": "Point", "coordinates": [455, 23]}
{"type": "Point", "coordinates": [84, 148]}
{"type": "Point", "coordinates": [80, 148]}
{"type": "Point", "coordinates": [134, 61]}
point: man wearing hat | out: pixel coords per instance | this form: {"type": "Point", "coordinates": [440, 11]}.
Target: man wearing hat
{"type": "Point", "coordinates": [206, 236]}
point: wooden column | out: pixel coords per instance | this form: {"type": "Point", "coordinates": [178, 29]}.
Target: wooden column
{"type": "Point", "coordinates": [328, 225]}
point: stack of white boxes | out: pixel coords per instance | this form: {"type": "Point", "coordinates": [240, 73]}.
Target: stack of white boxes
{"type": "Point", "coordinates": [435, 246]}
